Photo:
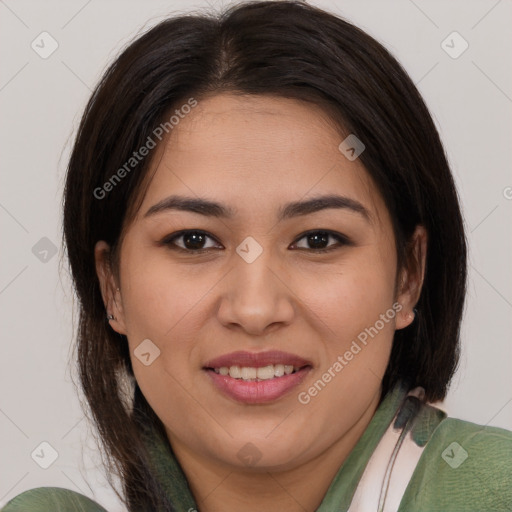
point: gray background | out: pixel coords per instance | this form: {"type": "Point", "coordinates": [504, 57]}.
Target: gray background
{"type": "Point", "coordinates": [41, 101]}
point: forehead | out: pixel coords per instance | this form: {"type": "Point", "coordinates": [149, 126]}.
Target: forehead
{"type": "Point", "coordinates": [255, 153]}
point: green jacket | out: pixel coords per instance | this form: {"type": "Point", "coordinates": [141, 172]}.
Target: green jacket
{"type": "Point", "coordinates": [473, 475]}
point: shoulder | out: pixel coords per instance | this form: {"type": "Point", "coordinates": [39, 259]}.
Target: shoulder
{"type": "Point", "coordinates": [464, 467]}
{"type": "Point", "coordinates": [462, 442]}
{"type": "Point", "coordinates": [54, 499]}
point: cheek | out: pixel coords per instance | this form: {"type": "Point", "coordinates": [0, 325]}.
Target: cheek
{"type": "Point", "coordinates": [160, 297]}
{"type": "Point", "coordinates": [349, 296]}
{"type": "Point", "coordinates": [355, 305]}
{"type": "Point", "coordinates": [358, 325]}
{"type": "Point", "coordinates": [167, 304]}
{"type": "Point", "coordinates": [161, 304]}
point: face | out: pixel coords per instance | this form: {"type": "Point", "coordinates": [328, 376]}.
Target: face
{"type": "Point", "coordinates": [206, 298]}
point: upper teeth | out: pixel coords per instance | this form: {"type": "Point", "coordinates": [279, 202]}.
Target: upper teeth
{"type": "Point", "coordinates": [263, 373]}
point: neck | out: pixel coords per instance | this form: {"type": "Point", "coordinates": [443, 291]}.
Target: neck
{"type": "Point", "coordinates": [222, 488]}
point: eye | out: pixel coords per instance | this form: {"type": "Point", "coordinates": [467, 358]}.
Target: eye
{"type": "Point", "coordinates": [319, 238]}
{"type": "Point", "coordinates": [193, 241]}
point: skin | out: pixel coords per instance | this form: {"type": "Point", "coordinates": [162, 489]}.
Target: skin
{"type": "Point", "coordinates": [254, 154]}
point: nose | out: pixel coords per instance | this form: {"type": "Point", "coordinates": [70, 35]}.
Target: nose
{"type": "Point", "coordinates": [256, 296]}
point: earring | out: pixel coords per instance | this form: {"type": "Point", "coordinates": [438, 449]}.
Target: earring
{"type": "Point", "coordinates": [109, 316]}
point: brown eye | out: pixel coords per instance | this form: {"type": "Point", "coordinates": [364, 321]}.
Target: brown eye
{"type": "Point", "coordinates": [317, 240]}
{"type": "Point", "coordinates": [192, 240]}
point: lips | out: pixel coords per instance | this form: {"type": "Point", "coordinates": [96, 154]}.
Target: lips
{"type": "Point", "coordinates": [233, 375]}
{"type": "Point", "coordinates": [257, 360]}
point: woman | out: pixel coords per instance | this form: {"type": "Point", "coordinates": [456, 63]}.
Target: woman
{"type": "Point", "coordinates": [270, 257]}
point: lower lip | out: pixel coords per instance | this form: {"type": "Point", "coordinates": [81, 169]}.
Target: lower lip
{"type": "Point", "coordinates": [258, 392]}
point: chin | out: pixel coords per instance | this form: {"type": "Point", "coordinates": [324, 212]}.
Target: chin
{"type": "Point", "coordinates": [262, 455]}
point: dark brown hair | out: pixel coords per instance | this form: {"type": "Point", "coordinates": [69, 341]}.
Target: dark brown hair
{"type": "Point", "coordinates": [287, 49]}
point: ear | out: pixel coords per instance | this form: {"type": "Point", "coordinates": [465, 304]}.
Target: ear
{"type": "Point", "coordinates": [109, 287]}
{"type": "Point", "coordinates": [412, 276]}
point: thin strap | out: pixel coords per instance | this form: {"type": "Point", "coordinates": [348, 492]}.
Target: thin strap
{"type": "Point", "coordinates": [392, 463]}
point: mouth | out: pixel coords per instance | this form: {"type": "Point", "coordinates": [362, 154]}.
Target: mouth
{"type": "Point", "coordinates": [253, 374]}
{"type": "Point", "coordinates": [255, 378]}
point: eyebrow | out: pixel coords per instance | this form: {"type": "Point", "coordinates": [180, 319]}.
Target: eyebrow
{"type": "Point", "coordinates": [210, 208]}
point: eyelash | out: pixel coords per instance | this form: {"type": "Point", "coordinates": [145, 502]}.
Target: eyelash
{"type": "Point", "coordinates": [169, 241]}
